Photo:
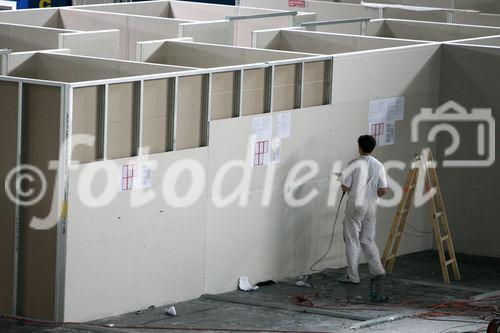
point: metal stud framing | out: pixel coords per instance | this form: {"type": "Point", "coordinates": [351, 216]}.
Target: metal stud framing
{"type": "Point", "coordinates": [102, 138]}
{"type": "Point", "coordinates": [65, 148]}
{"type": "Point", "coordinates": [138, 117]}
{"type": "Point", "coordinates": [172, 114]}
{"type": "Point", "coordinates": [17, 240]}
{"type": "Point", "coordinates": [238, 95]}
{"type": "Point", "coordinates": [328, 82]}
{"type": "Point", "coordinates": [299, 85]}
{"type": "Point", "coordinates": [269, 99]}
{"type": "Point", "coordinates": [259, 16]}
{"type": "Point", "coordinates": [206, 108]}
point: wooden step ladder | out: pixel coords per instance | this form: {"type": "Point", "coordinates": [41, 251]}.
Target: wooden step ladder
{"type": "Point", "coordinates": [423, 163]}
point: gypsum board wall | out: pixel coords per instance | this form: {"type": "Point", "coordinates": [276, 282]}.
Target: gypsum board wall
{"type": "Point", "coordinates": [70, 68]}
{"type": "Point", "coordinates": [323, 43]}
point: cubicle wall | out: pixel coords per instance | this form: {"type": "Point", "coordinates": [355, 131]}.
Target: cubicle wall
{"type": "Point", "coordinates": [323, 43]}
{"type": "Point", "coordinates": [217, 259]}
{"type": "Point", "coordinates": [470, 76]}
{"type": "Point", "coordinates": [417, 30]}
{"type": "Point", "coordinates": [212, 23]}
{"type": "Point", "coordinates": [484, 41]}
{"type": "Point", "coordinates": [273, 241]}
{"type": "Point", "coordinates": [188, 108]}
{"type": "Point", "coordinates": [88, 96]}
{"type": "Point", "coordinates": [436, 11]}
{"type": "Point", "coordinates": [486, 6]}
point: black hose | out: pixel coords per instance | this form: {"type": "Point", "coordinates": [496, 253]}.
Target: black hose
{"type": "Point", "coordinates": [331, 239]}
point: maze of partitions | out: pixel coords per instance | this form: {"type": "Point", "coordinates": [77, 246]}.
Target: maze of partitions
{"type": "Point", "coordinates": [66, 73]}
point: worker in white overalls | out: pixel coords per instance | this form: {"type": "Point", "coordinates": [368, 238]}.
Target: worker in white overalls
{"type": "Point", "coordinates": [364, 181]}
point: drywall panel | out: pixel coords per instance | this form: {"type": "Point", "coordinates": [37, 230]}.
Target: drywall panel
{"type": "Point", "coordinates": [154, 251]}
{"type": "Point", "coordinates": [275, 240]}
{"type": "Point", "coordinates": [103, 44]}
{"type": "Point", "coordinates": [41, 128]}
{"type": "Point", "coordinates": [91, 21]}
{"type": "Point", "coordinates": [23, 38]}
{"type": "Point", "coordinates": [435, 31]}
{"type": "Point", "coordinates": [21, 64]}
{"type": "Point", "coordinates": [280, 240]}
{"type": "Point", "coordinates": [46, 17]}
{"type": "Point", "coordinates": [200, 11]}
{"type": "Point", "coordinates": [132, 28]}
{"type": "Point", "coordinates": [378, 28]}
{"type": "Point", "coordinates": [302, 17]}
{"type": "Point", "coordinates": [254, 91]}
{"type": "Point", "coordinates": [223, 95]}
{"type": "Point", "coordinates": [220, 32]}
{"type": "Point", "coordinates": [417, 15]}
{"type": "Point", "coordinates": [8, 133]}
{"type": "Point", "coordinates": [324, 10]}
{"type": "Point", "coordinates": [269, 39]}
{"type": "Point", "coordinates": [335, 11]}
{"type": "Point", "coordinates": [210, 55]}
{"type": "Point", "coordinates": [147, 28]}
{"type": "Point", "coordinates": [284, 87]}
{"type": "Point", "coordinates": [469, 77]}
{"type": "Point", "coordinates": [157, 118]}
{"type": "Point", "coordinates": [402, 65]}
{"type": "Point", "coordinates": [86, 114]}
{"type": "Point", "coordinates": [485, 41]}
{"type": "Point", "coordinates": [323, 43]}
{"type": "Point", "coordinates": [411, 72]}
{"type": "Point", "coordinates": [476, 18]}
{"type": "Point", "coordinates": [315, 74]}
{"type": "Point", "coordinates": [151, 8]}
{"type": "Point", "coordinates": [245, 28]}
{"type": "Point", "coordinates": [70, 68]}
{"type": "Point", "coordinates": [189, 112]}
{"type": "Point", "coordinates": [120, 125]}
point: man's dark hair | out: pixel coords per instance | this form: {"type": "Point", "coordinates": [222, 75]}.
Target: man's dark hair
{"type": "Point", "coordinates": [367, 143]}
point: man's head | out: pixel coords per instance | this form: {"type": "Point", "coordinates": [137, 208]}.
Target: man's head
{"type": "Point", "coordinates": [366, 144]}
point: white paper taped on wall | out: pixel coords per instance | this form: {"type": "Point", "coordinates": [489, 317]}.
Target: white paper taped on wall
{"type": "Point", "coordinates": [276, 150]}
{"type": "Point", "coordinates": [266, 145]}
{"type": "Point", "coordinates": [262, 133]}
{"type": "Point", "coordinates": [136, 175]}
{"type": "Point", "coordinates": [383, 114]}
{"type": "Point", "coordinates": [284, 125]}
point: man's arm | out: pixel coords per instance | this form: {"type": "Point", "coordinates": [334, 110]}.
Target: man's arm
{"type": "Point", "coordinates": [382, 184]}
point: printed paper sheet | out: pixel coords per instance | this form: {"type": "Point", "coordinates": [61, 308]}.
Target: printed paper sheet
{"type": "Point", "coordinates": [383, 114]}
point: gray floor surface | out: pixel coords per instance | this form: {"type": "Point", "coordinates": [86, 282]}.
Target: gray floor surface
{"type": "Point", "coordinates": [414, 289]}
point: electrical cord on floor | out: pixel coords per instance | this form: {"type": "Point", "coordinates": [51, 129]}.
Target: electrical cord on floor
{"type": "Point", "coordinates": [147, 328]}
{"type": "Point", "coordinates": [331, 239]}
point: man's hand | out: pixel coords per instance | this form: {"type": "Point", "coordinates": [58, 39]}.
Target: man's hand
{"type": "Point", "coordinates": [381, 192]}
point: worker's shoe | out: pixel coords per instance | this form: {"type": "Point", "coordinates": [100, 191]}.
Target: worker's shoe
{"type": "Point", "coordinates": [375, 290]}
{"type": "Point", "coordinates": [345, 279]}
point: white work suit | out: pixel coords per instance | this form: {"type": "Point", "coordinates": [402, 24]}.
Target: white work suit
{"type": "Point", "coordinates": [364, 176]}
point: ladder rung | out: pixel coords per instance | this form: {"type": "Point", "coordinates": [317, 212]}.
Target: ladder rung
{"type": "Point", "coordinates": [451, 261]}
{"type": "Point", "coordinates": [392, 256]}
{"type": "Point", "coordinates": [402, 211]}
{"type": "Point", "coordinates": [399, 233]}
{"type": "Point", "coordinates": [445, 238]}
{"type": "Point", "coordinates": [409, 188]}
{"type": "Point", "coordinates": [439, 214]}
{"type": "Point", "coordinates": [431, 164]}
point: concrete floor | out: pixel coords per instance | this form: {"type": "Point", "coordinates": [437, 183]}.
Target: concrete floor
{"type": "Point", "coordinates": [324, 306]}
